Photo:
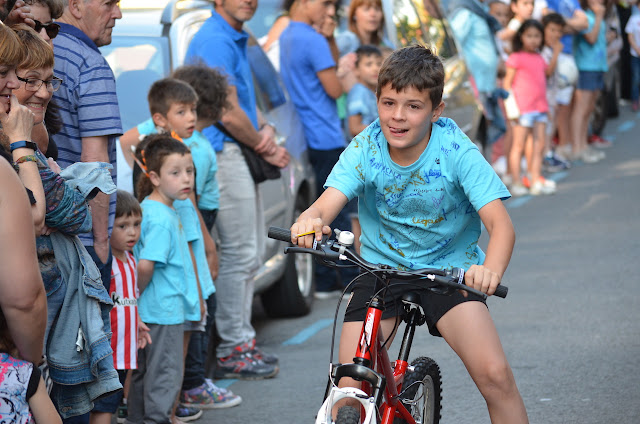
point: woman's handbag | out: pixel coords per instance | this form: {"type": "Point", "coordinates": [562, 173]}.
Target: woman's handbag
{"type": "Point", "coordinates": [260, 169]}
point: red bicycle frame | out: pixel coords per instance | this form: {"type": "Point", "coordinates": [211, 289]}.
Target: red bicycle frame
{"type": "Point", "coordinates": [394, 378]}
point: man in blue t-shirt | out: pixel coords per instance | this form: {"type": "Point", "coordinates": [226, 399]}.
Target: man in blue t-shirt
{"type": "Point", "coordinates": [221, 43]}
{"type": "Point", "coordinates": [308, 69]}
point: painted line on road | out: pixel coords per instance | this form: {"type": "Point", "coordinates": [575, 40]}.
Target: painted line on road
{"type": "Point", "coordinates": [626, 126]}
{"type": "Point", "coordinates": [519, 201]}
{"type": "Point", "coordinates": [308, 332]}
{"type": "Point", "coordinates": [225, 383]}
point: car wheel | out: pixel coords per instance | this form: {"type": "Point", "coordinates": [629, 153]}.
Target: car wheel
{"type": "Point", "coordinates": [292, 295]}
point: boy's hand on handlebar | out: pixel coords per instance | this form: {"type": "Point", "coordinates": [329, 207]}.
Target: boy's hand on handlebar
{"type": "Point", "coordinates": [482, 279]}
{"type": "Point", "coordinates": [309, 225]}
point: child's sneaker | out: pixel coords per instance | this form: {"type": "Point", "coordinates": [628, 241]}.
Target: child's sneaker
{"type": "Point", "coordinates": [539, 188]}
{"type": "Point", "coordinates": [518, 190]}
{"type": "Point", "coordinates": [186, 413]}
{"type": "Point", "coordinates": [243, 366]}
{"type": "Point", "coordinates": [209, 396]}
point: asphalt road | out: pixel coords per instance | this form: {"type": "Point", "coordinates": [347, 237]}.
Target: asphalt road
{"type": "Point", "coordinates": [570, 325]}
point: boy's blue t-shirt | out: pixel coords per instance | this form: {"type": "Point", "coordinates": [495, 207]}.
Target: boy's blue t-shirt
{"type": "Point", "coordinates": [303, 53]}
{"type": "Point", "coordinates": [423, 215]}
{"type": "Point", "coordinates": [591, 57]}
{"type": "Point", "coordinates": [193, 233]}
{"type": "Point", "coordinates": [163, 240]}
{"type": "Point", "coordinates": [566, 8]}
{"type": "Point", "coordinates": [362, 101]}
{"type": "Point", "coordinates": [204, 159]}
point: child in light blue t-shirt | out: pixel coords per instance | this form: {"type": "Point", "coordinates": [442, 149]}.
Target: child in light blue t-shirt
{"type": "Point", "coordinates": [362, 108]}
{"type": "Point", "coordinates": [169, 295]}
{"type": "Point", "coordinates": [424, 190]}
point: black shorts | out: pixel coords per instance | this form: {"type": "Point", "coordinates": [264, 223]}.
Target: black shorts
{"type": "Point", "coordinates": [434, 305]}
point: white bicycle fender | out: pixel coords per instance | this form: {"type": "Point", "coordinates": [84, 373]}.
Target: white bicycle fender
{"type": "Point", "coordinates": [337, 394]}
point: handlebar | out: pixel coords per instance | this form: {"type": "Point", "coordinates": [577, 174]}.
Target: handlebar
{"type": "Point", "coordinates": [333, 250]}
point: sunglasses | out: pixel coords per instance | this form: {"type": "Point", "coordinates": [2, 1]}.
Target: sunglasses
{"type": "Point", "coordinates": [51, 28]}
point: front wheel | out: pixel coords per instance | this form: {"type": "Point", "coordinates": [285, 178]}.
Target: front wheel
{"type": "Point", "coordinates": [422, 392]}
{"type": "Point", "coordinates": [348, 415]}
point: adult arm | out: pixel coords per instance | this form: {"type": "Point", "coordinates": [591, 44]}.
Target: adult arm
{"type": "Point", "coordinates": [634, 45]}
{"type": "Point", "coordinates": [94, 149]}
{"type": "Point", "coordinates": [502, 238]}
{"type": "Point", "coordinates": [577, 22]}
{"type": "Point", "coordinates": [127, 140]}
{"type": "Point", "coordinates": [22, 296]}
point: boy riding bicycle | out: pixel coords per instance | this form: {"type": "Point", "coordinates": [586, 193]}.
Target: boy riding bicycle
{"type": "Point", "coordinates": [423, 191]}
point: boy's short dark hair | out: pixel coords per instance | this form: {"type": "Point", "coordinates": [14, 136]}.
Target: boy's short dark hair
{"type": "Point", "coordinates": [127, 204]}
{"type": "Point", "coordinates": [553, 18]}
{"type": "Point", "coordinates": [413, 66]}
{"type": "Point", "coordinates": [167, 91]}
{"type": "Point", "coordinates": [367, 50]}
{"type": "Point", "coordinates": [210, 86]}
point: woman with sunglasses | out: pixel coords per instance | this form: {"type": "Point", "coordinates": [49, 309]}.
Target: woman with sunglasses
{"type": "Point", "coordinates": [44, 12]}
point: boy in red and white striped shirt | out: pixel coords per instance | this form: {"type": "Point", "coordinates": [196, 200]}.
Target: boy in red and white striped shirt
{"type": "Point", "coordinates": [128, 332]}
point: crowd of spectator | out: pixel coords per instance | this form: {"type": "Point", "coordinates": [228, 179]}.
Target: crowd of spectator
{"type": "Point", "coordinates": [128, 273]}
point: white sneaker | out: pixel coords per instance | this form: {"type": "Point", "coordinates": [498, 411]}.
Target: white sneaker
{"type": "Point", "coordinates": [518, 190]}
{"type": "Point", "coordinates": [539, 188]}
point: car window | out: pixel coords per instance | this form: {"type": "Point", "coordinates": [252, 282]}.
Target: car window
{"type": "Point", "coordinates": [421, 21]}
{"type": "Point", "coordinates": [136, 63]}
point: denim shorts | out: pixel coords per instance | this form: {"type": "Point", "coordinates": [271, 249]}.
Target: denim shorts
{"type": "Point", "coordinates": [528, 119]}
{"type": "Point", "coordinates": [590, 80]}
{"type": "Point", "coordinates": [110, 403]}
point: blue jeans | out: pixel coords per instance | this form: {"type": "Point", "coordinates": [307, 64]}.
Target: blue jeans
{"type": "Point", "coordinates": [194, 367]}
{"type": "Point", "coordinates": [239, 227]}
{"type": "Point", "coordinates": [327, 278]}
{"type": "Point", "coordinates": [635, 78]}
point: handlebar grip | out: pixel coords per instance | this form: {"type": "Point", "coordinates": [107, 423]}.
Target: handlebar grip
{"type": "Point", "coordinates": [501, 291]}
{"type": "Point", "coordinates": [281, 234]}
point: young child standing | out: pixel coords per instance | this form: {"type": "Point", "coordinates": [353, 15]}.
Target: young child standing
{"type": "Point", "coordinates": [361, 100]}
{"type": "Point", "coordinates": [128, 333]}
{"type": "Point", "coordinates": [633, 33]}
{"type": "Point", "coordinates": [169, 295]}
{"type": "Point", "coordinates": [23, 393]}
{"type": "Point", "coordinates": [590, 51]}
{"type": "Point", "coordinates": [554, 25]}
{"type": "Point", "coordinates": [526, 77]}
{"type": "Point", "coordinates": [404, 225]}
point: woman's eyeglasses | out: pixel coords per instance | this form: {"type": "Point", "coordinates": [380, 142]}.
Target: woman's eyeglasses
{"type": "Point", "coordinates": [34, 84]}
{"type": "Point", "coordinates": [52, 28]}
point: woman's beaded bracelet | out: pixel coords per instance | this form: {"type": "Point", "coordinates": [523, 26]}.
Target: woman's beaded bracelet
{"type": "Point", "coordinates": [27, 158]}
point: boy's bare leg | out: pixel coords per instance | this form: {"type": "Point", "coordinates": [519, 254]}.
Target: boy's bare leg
{"type": "Point", "coordinates": [469, 330]}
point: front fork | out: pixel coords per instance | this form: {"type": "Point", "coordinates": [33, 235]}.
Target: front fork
{"type": "Point", "coordinates": [372, 381]}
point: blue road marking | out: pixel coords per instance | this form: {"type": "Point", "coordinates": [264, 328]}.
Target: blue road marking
{"type": "Point", "coordinates": [308, 332]}
{"type": "Point", "coordinates": [225, 383]}
{"type": "Point", "coordinates": [626, 126]}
